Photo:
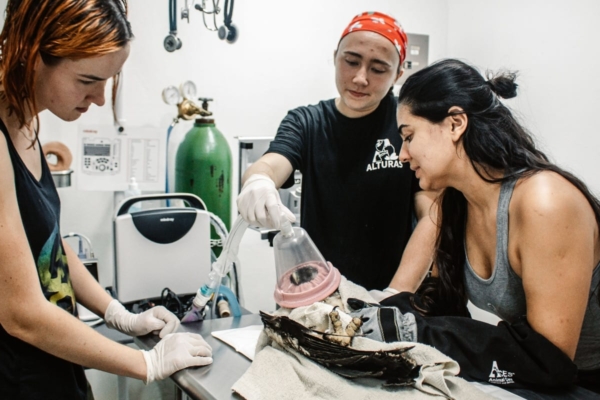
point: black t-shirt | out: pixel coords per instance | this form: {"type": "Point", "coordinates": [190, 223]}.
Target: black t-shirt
{"type": "Point", "coordinates": [27, 372]}
{"type": "Point", "coordinates": [357, 197]}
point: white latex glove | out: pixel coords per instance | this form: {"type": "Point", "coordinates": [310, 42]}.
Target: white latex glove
{"type": "Point", "coordinates": [174, 352]}
{"type": "Point", "coordinates": [259, 203]}
{"type": "Point", "coordinates": [158, 320]}
{"type": "Point", "coordinates": [380, 295]}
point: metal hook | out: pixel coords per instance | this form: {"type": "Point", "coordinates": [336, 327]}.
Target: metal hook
{"type": "Point", "coordinates": [214, 12]}
{"type": "Point", "coordinates": [185, 12]}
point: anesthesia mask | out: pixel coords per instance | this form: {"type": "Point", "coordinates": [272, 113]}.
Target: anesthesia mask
{"type": "Point", "coordinates": [303, 276]}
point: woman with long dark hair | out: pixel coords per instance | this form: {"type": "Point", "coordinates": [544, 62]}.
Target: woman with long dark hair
{"type": "Point", "coordinates": [518, 236]}
{"type": "Point", "coordinates": [57, 55]}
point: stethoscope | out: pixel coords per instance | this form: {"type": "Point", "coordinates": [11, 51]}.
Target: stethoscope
{"type": "Point", "coordinates": [202, 8]}
{"type": "Point", "coordinates": [172, 42]}
{"type": "Point", "coordinates": [226, 32]}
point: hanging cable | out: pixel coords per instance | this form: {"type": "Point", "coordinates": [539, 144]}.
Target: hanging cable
{"type": "Point", "coordinates": [173, 16]}
{"type": "Point", "coordinates": [214, 12]}
{"type": "Point", "coordinates": [227, 12]}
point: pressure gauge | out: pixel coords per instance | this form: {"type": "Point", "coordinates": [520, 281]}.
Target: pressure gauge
{"type": "Point", "coordinates": [171, 95]}
{"type": "Point", "coordinates": [188, 90]}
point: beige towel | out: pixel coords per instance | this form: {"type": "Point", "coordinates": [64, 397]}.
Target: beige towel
{"type": "Point", "coordinates": [278, 373]}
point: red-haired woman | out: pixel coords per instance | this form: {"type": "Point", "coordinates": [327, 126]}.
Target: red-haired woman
{"type": "Point", "coordinates": [57, 55]}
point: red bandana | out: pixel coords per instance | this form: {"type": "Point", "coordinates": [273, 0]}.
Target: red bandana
{"type": "Point", "coordinates": [383, 24]}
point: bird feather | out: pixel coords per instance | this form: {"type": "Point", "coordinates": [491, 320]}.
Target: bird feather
{"type": "Point", "coordinates": [395, 366]}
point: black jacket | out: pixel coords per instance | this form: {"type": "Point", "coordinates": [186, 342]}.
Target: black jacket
{"type": "Point", "coordinates": [507, 355]}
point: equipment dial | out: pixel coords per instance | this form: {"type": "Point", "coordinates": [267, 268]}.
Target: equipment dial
{"type": "Point", "coordinates": [171, 95]}
{"type": "Point", "coordinates": [188, 90]}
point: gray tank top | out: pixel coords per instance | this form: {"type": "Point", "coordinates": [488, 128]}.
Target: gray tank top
{"type": "Point", "coordinates": [503, 295]}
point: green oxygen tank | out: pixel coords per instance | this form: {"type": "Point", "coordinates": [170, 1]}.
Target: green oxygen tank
{"type": "Point", "coordinates": [203, 167]}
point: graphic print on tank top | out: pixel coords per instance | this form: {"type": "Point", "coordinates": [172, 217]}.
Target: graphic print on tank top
{"type": "Point", "coordinates": [54, 274]}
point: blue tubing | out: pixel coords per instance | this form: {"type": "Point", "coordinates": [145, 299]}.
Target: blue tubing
{"type": "Point", "coordinates": [234, 305]}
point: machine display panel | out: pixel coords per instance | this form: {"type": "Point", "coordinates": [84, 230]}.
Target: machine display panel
{"type": "Point", "coordinates": [96, 149]}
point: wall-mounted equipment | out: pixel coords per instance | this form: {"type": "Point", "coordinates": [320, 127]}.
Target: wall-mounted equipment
{"type": "Point", "coordinates": [206, 11]}
{"type": "Point", "coordinates": [106, 160]}
{"type": "Point", "coordinates": [100, 155]}
{"type": "Point", "coordinates": [172, 42]}
{"type": "Point", "coordinates": [228, 31]}
{"type": "Point", "coordinates": [417, 55]}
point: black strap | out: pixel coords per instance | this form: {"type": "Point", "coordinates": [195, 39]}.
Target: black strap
{"type": "Point", "coordinates": [388, 325]}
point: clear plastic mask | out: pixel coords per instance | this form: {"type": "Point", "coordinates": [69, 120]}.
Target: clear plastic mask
{"type": "Point", "coordinates": [303, 275]}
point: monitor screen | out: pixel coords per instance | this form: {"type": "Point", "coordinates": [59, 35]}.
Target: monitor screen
{"type": "Point", "coordinates": [96, 149]}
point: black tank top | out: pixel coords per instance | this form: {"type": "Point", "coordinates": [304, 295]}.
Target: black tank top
{"type": "Point", "coordinates": [27, 372]}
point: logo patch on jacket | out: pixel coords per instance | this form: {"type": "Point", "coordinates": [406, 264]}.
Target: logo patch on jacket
{"type": "Point", "coordinates": [385, 156]}
{"type": "Point", "coordinates": [499, 376]}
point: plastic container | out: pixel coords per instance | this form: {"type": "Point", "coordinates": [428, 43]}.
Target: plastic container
{"type": "Point", "coordinates": [303, 275]}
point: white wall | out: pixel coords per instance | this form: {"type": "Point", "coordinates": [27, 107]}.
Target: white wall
{"type": "Point", "coordinates": [554, 46]}
{"type": "Point", "coordinates": [282, 59]}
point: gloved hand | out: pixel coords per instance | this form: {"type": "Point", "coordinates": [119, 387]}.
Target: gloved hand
{"type": "Point", "coordinates": [384, 324]}
{"type": "Point", "coordinates": [158, 320]}
{"type": "Point", "coordinates": [259, 203]}
{"type": "Point", "coordinates": [380, 295]}
{"type": "Point", "coordinates": [174, 352]}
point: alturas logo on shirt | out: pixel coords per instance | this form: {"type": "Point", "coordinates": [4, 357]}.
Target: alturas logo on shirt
{"type": "Point", "coordinates": [385, 156]}
{"type": "Point", "coordinates": [499, 376]}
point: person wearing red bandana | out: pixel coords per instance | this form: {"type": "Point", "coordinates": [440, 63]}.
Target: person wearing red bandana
{"type": "Point", "coordinates": [360, 204]}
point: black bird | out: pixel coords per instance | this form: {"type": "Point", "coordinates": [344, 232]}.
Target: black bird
{"type": "Point", "coordinates": [395, 366]}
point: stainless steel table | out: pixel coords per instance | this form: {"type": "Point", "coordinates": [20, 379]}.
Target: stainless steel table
{"type": "Point", "coordinates": [213, 381]}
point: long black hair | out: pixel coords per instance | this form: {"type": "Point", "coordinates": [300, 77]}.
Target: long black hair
{"type": "Point", "coordinates": [493, 140]}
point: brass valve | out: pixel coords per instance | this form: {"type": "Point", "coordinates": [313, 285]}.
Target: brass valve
{"type": "Point", "coordinates": [182, 98]}
{"type": "Point", "coordinates": [188, 110]}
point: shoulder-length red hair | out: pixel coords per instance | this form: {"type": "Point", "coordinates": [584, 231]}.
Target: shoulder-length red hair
{"type": "Point", "coordinates": [54, 29]}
